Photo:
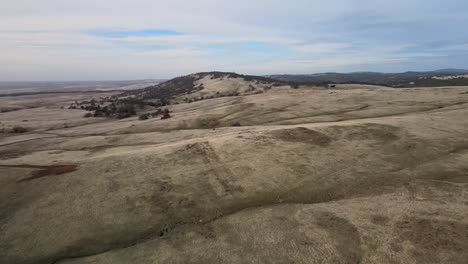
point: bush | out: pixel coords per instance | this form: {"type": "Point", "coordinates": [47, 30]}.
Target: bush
{"type": "Point", "coordinates": [88, 115]}
{"type": "Point", "coordinates": [158, 112]}
{"type": "Point", "coordinates": [19, 129]}
{"type": "Point", "coordinates": [126, 110]}
{"type": "Point", "coordinates": [206, 123]}
{"type": "Point", "coordinates": [166, 115]}
{"type": "Point", "coordinates": [144, 116]}
{"type": "Point", "coordinates": [236, 124]}
{"type": "Point", "coordinates": [123, 115]}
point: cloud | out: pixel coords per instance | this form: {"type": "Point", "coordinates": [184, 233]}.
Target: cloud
{"type": "Point", "coordinates": [134, 33]}
{"type": "Point", "coordinates": [172, 53]}
{"type": "Point", "coordinates": [87, 39]}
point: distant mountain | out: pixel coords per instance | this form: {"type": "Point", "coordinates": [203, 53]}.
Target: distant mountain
{"type": "Point", "coordinates": [452, 71]}
{"type": "Point", "coordinates": [404, 79]}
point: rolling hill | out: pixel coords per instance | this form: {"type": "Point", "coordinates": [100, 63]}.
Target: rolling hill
{"type": "Point", "coordinates": [405, 79]}
{"type": "Point", "coordinates": [350, 174]}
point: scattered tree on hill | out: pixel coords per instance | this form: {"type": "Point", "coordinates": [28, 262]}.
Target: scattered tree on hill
{"type": "Point", "coordinates": [19, 129]}
{"type": "Point", "coordinates": [144, 116]}
{"type": "Point", "coordinates": [166, 114]}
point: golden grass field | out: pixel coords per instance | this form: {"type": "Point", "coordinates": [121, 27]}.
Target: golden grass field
{"type": "Point", "coordinates": [353, 174]}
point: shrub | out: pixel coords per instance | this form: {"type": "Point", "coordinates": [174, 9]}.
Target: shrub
{"type": "Point", "coordinates": [164, 102]}
{"type": "Point", "coordinates": [19, 129]}
{"type": "Point", "coordinates": [97, 113]}
{"type": "Point", "coordinates": [123, 115]}
{"type": "Point", "coordinates": [166, 115]}
{"type": "Point", "coordinates": [144, 116]}
{"type": "Point", "coordinates": [126, 110]}
{"type": "Point", "coordinates": [206, 123]}
{"type": "Point", "coordinates": [88, 115]}
{"type": "Point", "coordinates": [158, 112]}
{"type": "Point", "coordinates": [236, 124]}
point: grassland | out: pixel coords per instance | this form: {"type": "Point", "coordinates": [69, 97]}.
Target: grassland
{"type": "Point", "coordinates": [353, 174]}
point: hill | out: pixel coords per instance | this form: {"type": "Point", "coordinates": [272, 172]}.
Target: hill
{"type": "Point", "coordinates": [184, 89]}
{"type": "Point", "coordinates": [206, 84]}
{"type": "Point", "coordinates": [350, 174]}
{"type": "Point", "coordinates": [405, 79]}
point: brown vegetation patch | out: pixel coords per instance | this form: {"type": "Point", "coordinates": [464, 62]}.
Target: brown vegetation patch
{"type": "Point", "coordinates": [301, 134]}
{"type": "Point", "coordinates": [12, 154]}
{"type": "Point", "coordinates": [344, 234]}
{"type": "Point", "coordinates": [203, 123]}
{"type": "Point", "coordinates": [19, 129]}
{"type": "Point", "coordinates": [435, 241]}
{"type": "Point", "coordinates": [380, 219]}
{"type": "Point", "coordinates": [369, 131]}
{"type": "Point", "coordinates": [199, 123]}
{"type": "Point", "coordinates": [50, 170]}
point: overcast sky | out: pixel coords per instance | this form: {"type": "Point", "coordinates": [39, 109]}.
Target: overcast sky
{"type": "Point", "coordinates": [113, 39]}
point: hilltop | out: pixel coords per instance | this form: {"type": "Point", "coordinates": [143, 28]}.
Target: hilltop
{"type": "Point", "coordinates": [207, 85]}
{"type": "Point", "coordinates": [184, 89]}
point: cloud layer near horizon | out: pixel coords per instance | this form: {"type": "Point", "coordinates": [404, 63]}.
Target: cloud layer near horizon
{"type": "Point", "coordinates": [84, 40]}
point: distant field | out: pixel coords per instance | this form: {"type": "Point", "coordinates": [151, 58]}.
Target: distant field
{"type": "Point", "coordinates": [41, 87]}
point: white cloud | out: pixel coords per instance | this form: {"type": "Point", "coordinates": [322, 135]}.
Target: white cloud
{"type": "Point", "coordinates": [51, 39]}
{"type": "Point", "coordinates": [172, 53]}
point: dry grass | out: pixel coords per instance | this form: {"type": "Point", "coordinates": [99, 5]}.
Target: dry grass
{"type": "Point", "coordinates": [357, 175]}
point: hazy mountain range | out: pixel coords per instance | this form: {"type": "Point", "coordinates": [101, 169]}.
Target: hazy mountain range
{"type": "Point", "coordinates": [404, 79]}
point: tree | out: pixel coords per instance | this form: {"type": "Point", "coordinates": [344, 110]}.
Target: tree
{"type": "Point", "coordinates": [144, 116]}
{"type": "Point", "coordinates": [19, 129]}
{"type": "Point", "coordinates": [166, 115]}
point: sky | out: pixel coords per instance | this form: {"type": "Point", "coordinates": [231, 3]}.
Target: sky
{"type": "Point", "coordinates": [150, 39]}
